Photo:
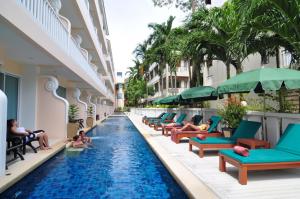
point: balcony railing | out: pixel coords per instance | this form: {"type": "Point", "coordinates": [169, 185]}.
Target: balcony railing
{"type": "Point", "coordinates": [43, 13]}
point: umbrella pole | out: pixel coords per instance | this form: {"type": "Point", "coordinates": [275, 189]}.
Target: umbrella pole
{"type": "Point", "coordinates": [265, 136]}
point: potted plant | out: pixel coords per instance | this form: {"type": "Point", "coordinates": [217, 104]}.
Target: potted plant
{"type": "Point", "coordinates": [73, 125]}
{"type": "Point", "coordinates": [90, 116]}
{"type": "Point", "coordinates": [232, 113]}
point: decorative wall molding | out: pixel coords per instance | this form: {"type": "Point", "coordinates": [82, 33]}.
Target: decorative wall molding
{"type": "Point", "coordinates": [51, 85]}
{"type": "Point", "coordinates": [89, 100]}
{"type": "Point", "coordinates": [76, 95]}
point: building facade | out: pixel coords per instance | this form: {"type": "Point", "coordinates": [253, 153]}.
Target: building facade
{"type": "Point", "coordinates": [53, 54]}
{"type": "Point", "coordinates": [120, 80]}
{"type": "Point", "coordinates": [163, 86]}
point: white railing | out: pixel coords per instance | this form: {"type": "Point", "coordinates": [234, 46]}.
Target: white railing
{"type": "Point", "coordinates": [94, 30]}
{"type": "Point", "coordinates": [43, 13]}
{"type": "Point", "coordinates": [273, 124]}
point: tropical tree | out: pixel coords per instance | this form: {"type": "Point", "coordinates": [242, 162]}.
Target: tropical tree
{"type": "Point", "coordinates": [157, 52]}
{"type": "Point", "coordinates": [184, 5]}
{"type": "Point", "coordinates": [280, 17]}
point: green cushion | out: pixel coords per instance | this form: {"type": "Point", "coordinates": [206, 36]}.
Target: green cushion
{"type": "Point", "coordinates": [246, 129]}
{"type": "Point", "coordinates": [215, 140]}
{"type": "Point", "coordinates": [262, 156]}
{"type": "Point", "coordinates": [180, 118]}
{"type": "Point", "coordinates": [171, 116]}
{"type": "Point", "coordinates": [215, 122]}
{"type": "Point", "coordinates": [290, 140]}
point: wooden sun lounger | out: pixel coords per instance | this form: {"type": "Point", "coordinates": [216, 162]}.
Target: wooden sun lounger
{"type": "Point", "coordinates": [176, 137]}
{"type": "Point", "coordinates": [203, 147]}
{"type": "Point", "coordinates": [246, 129]}
{"type": "Point", "coordinates": [244, 168]}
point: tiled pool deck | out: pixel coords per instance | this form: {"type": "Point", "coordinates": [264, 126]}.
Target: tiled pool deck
{"type": "Point", "coordinates": [205, 180]}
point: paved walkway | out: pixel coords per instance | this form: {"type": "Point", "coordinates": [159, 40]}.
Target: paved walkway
{"type": "Point", "coordinates": [261, 184]}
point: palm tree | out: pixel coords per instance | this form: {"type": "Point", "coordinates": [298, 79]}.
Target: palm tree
{"type": "Point", "coordinates": [278, 17]}
{"type": "Point", "coordinates": [157, 40]}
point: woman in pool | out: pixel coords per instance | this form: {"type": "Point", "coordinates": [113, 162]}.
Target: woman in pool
{"type": "Point", "coordinates": [77, 142]}
{"type": "Point", "coordinates": [14, 129]}
{"type": "Point", "coordinates": [202, 127]}
{"type": "Point", "coordinates": [84, 138]}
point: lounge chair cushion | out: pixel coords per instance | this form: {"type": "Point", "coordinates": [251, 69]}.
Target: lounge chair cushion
{"type": "Point", "coordinates": [246, 129]}
{"type": "Point", "coordinates": [262, 156]}
{"type": "Point", "coordinates": [215, 122]}
{"type": "Point", "coordinates": [290, 140]}
{"type": "Point", "coordinates": [215, 140]}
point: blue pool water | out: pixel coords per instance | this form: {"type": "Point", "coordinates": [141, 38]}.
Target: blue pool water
{"type": "Point", "coordinates": [119, 164]}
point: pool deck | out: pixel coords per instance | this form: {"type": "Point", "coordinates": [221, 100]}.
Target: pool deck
{"type": "Point", "coordinates": [18, 169]}
{"type": "Point", "coordinates": [201, 178]}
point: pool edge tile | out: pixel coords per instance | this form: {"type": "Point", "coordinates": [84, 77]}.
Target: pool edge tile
{"type": "Point", "coordinates": [191, 184]}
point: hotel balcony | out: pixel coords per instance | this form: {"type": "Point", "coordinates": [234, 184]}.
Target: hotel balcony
{"type": "Point", "coordinates": [42, 23]}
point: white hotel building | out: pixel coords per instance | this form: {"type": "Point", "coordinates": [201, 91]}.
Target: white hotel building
{"type": "Point", "coordinates": [53, 53]}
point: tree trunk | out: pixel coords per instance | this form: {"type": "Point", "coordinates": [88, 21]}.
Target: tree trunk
{"type": "Point", "coordinates": [190, 75]}
{"type": "Point", "coordinates": [175, 80]}
{"type": "Point", "coordinates": [227, 70]}
{"type": "Point", "coordinates": [171, 79]}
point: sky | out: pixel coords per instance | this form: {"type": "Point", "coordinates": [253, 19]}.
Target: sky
{"type": "Point", "coordinates": [128, 26]}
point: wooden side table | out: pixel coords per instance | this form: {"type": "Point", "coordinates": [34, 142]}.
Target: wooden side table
{"type": "Point", "coordinates": [253, 143]}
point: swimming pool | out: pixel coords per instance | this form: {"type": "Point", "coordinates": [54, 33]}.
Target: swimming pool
{"type": "Point", "coordinates": [120, 164]}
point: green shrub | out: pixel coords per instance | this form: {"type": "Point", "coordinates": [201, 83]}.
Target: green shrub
{"type": "Point", "coordinates": [232, 112]}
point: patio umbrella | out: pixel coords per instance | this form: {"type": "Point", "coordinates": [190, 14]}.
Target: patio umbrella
{"type": "Point", "coordinates": [170, 100]}
{"type": "Point", "coordinates": [201, 93]}
{"type": "Point", "coordinates": [156, 102]}
{"type": "Point", "coordinates": [261, 80]}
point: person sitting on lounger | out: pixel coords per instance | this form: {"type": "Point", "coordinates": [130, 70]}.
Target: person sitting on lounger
{"type": "Point", "coordinates": [13, 128]}
{"type": "Point", "coordinates": [84, 138]}
{"type": "Point", "coordinates": [77, 142]}
{"type": "Point", "coordinates": [202, 127]}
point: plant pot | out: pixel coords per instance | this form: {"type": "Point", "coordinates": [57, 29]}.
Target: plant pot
{"type": "Point", "coordinates": [228, 132]}
{"type": "Point", "coordinates": [72, 129]}
{"type": "Point", "coordinates": [90, 122]}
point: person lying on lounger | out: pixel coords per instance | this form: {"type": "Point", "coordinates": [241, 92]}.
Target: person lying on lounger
{"type": "Point", "coordinates": [84, 138]}
{"type": "Point", "coordinates": [77, 142]}
{"type": "Point", "coordinates": [202, 127]}
{"type": "Point", "coordinates": [13, 128]}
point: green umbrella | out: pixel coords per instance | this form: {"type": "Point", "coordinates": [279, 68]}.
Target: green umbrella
{"type": "Point", "coordinates": [156, 102]}
{"type": "Point", "coordinates": [170, 100]}
{"type": "Point", "coordinates": [260, 80]}
{"type": "Point", "coordinates": [199, 93]}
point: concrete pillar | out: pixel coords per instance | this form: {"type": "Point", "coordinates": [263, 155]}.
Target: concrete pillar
{"type": "Point", "coordinates": [3, 114]}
